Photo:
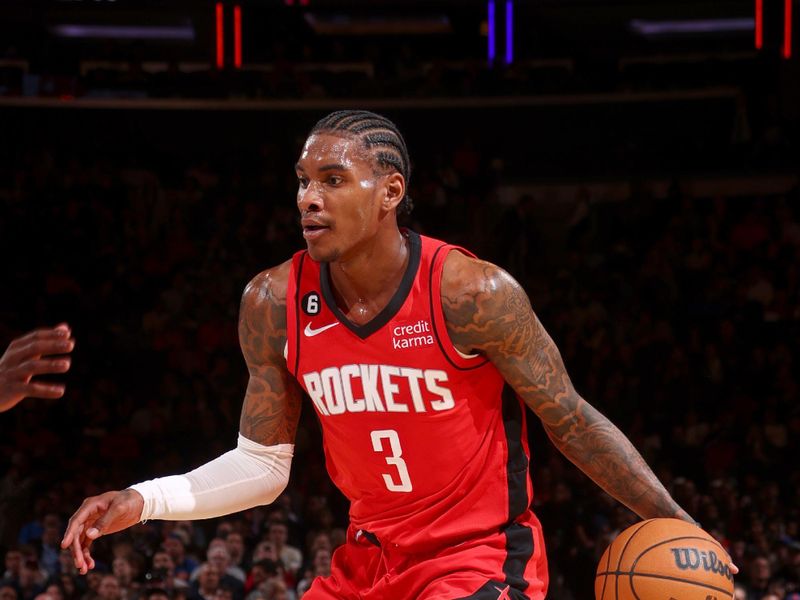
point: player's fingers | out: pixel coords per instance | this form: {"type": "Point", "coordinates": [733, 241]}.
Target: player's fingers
{"type": "Point", "coordinates": [76, 549]}
{"type": "Point", "coordinates": [87, 557]}
{"type": "Point", "coordinates": [39, 347]}
{"type": "Point", "coordinates": [40, 366]}
{"type": "Point", "coordinates": [47, 391]}
{"type": "Point", "coordinates": [62, 330]}
{"type": "Point", "coordinates": [734, 569]}
{"type": "Point", "coordinates": [84, 517]}
{"type": "Point", "coordinates": [101, 525]}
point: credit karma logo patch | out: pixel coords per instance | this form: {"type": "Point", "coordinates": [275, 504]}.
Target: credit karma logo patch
{"type": "Point", "coordinates": [412, 335]}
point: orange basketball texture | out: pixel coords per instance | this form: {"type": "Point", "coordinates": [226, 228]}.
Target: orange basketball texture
{"type": "Point", "coordinates": [664, 559]}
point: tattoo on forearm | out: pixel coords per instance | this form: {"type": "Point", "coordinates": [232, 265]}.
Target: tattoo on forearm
{"type": "Point", "coordinates": [495, 317]}
{"type": "Point", "coordinates": [272, 402]}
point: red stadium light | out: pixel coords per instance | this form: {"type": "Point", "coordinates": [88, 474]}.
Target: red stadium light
{"type": "Point", "coordinates": [237, 36]}
{"type": "Point", "coordinates": [787, 29]}
{"type": "Point", "coordinates": [220, 35]}
{"type": "Point", "coordinates": [759, 24]}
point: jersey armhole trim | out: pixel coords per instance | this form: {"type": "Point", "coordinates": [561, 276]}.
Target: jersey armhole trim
{"type": "Point", "coordinates": [292, 349]}
{"type": "Point", "coordinates": [459, 360]}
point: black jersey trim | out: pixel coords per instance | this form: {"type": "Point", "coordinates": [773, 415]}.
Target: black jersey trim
{"type": "Point", "coordinates": [297, 308]}
{"type": "Point", "coordinates": [390, 310]}
{"type": "Point", "coordinates": [517, 461]}
{"type": "Point", "coordinates": [433, 320]}
{"type": "Point", "coordinates": [519, 551]}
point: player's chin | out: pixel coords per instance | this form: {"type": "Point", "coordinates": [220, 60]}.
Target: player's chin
{"type": "Point", "coordinates": [321, 254]}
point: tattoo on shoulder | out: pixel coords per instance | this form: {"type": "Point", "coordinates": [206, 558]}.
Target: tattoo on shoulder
{"type": "Point", "coordinates": [272, 403]}
{"type": "Point", "coordinates": [262, 318]}
{"type": "Point", "coordinates": [492, 314]}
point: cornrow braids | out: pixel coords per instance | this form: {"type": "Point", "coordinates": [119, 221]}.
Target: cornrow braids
{"type": "Point", "coordinates": [380, 137]}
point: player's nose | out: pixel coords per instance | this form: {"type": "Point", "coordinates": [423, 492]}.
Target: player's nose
{"type": "Point", "coordinates": [309, 199]}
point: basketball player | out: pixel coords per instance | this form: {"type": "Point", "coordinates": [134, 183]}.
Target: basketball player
{"type": "Point", "coordinates": [419, 360]}
{"type": "Point", "coordinates": [30, 355]}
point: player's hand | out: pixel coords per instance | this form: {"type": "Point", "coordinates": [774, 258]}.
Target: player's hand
{"type": "Point", "coordinates": [100, 515]}
{"type": "Point", "coordinates": [30, 355]}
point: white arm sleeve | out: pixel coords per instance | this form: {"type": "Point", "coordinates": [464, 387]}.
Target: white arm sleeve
{"type": "Point", "coordinates": [250, 475]}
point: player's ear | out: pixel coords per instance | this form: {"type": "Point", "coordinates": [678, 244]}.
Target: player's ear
{"type": "Point", "coordinates": [395, 191]}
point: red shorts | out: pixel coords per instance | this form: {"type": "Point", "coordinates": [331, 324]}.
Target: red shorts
{"type": "Point", "coordinates": [510, 564]}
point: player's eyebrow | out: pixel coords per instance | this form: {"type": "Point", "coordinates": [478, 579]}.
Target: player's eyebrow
{"type": "Point", "coordinates": [329, 167]}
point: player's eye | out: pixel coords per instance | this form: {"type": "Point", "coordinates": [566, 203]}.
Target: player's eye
{"type": "Point", "coordinates": [335, 180]}
{"type": "Point", "coordinates": [303, 181]}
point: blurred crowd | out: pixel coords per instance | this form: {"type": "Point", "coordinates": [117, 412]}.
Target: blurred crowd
{"type": "Point", "coordinates": [677, 317]}
{"type": "Point", "coordinates": [396, 72]}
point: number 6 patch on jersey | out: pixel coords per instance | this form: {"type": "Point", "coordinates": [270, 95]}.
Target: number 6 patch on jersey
{"type": "Point", "coordinates": [310, 303]}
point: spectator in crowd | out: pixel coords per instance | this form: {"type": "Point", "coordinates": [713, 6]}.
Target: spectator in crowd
{"type": "Point", "coordinates": [290, 557]}
{"type": "Point", "coordinates": [50, 547]}
{"type": "Point", "coordinates": [262, 572]}
{"type": "Point", "coordinates": [231, 577]}
{"type": "Point", "coordinates": [13, 566]}
{"type": "Point", "coordinates": [162, 574]}
{"type": "Point", "coordinates": [207, 583]}
{"type": "Point", "coordinates": [126, 571]}
{"type": "Point", "coordinates": [110, 589]}
{"type": "Point", "coordinates": [155, 593]}
{"type": "Point", "coordinates": [320, 567]}
{"type": "Point", "coordinates": [184, 565]}
{"type": "Point", "coordinates": [234, 542]}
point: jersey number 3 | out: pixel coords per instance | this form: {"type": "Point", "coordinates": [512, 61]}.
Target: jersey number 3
{"type": "Point", "coordinates": [394, 459]}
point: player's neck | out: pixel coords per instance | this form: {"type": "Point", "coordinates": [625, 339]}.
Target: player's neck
{"type": "Point", "coordinates": [364, 284]}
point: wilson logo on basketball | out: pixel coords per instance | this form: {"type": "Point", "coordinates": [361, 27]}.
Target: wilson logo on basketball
{"type": "Point", "coordinates": [694, 559]}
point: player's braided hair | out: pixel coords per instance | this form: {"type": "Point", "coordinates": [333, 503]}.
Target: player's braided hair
{"type": "Point", "coordinates": [380, 137]}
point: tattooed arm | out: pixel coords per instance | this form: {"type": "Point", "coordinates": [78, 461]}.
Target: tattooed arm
{"type": "Point", "coordinates": [488, 311]}
{"type": "Point", "coordinates": [254, 473]}
{"type": "Point", "coordinates": [272, 402]}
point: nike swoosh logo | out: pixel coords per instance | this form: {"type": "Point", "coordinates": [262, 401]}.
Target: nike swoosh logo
{"type": "Point", "coordinates": [312, 332]}
{"type": "Point", "coordinates": [503, 593]}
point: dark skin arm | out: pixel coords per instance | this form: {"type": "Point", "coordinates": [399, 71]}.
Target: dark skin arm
{"type": "Point", "coordinates": [273, 399]}
{"type": "Point", "coordinates": [489, 312]}
{"type": "Point", "coordinates": [270, 412]}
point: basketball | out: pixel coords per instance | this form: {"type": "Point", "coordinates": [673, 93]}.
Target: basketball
{"type": "Point", "coordinates": [664, 559]}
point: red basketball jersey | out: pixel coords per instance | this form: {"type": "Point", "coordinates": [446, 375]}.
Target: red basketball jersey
{"type": "Point", "coordinates": [427, 443]}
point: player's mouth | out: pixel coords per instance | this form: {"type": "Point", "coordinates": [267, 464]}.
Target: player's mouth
{"type": "Point", "coordinates": [312, 231]}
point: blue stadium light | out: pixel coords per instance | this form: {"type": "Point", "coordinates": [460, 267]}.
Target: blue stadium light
{"type": "Point", "coordinates": [491, 30]}
{"type": "Point", "coordinates": [509, 32]}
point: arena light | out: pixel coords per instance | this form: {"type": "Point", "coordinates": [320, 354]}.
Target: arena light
{"type": "Point", "coordinates": [509, 32]}
{"type": "Point", "coordinates": [237, 36]}
{"type": "Point", "coordinates": [697, 26]}
{"type": "Point", "coordinates": [787, 29]}
{"type": "Point", "coordinates": [492, 49]}
{"type": "Point", "coordinates": [759, 24]}
{"type": "Point", "coordinates": [126, 32]}
{"type": "Point", "coordinates": [220, 16]}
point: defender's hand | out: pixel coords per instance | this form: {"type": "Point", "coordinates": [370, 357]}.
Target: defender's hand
{"type": "Point", "coordinates": [28, 356]}
{"type": "Point", "coordinates": [100, 515]}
